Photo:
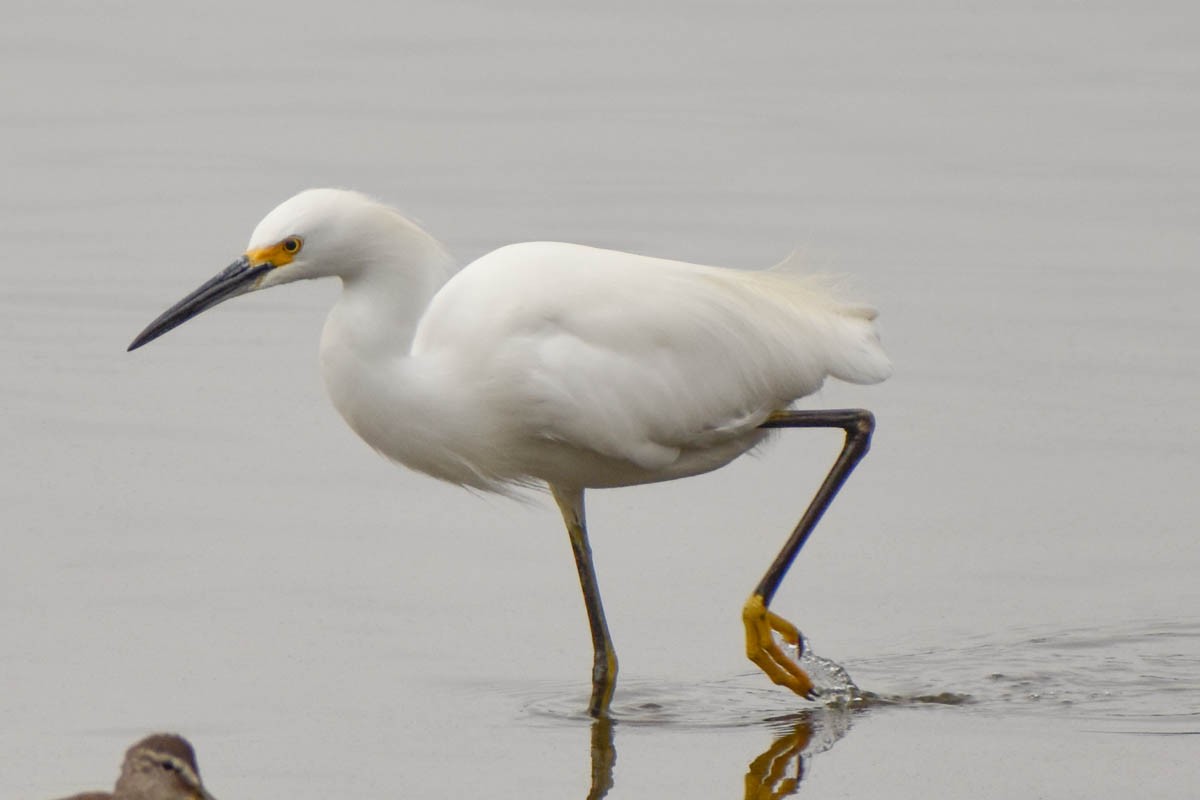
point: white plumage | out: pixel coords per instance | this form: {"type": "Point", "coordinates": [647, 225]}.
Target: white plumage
{"type": "Point", "coordinates": [558, 363]}
{"type": "Point", "coordinates": [547, 363]}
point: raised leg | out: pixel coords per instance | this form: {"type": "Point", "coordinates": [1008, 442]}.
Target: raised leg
{"type": "Point", "coordinates": [604, 662]}
{"type": "Point", "coordinates": [761, 624]}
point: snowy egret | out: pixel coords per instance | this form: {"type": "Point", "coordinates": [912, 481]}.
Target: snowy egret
{"type": "Point", "coordinates": [559, 365]}
{"type": "Point", "coordinates": [159, 767]}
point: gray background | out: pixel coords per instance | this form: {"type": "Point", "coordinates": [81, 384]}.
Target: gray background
{"type": "Point", "coordinates": [192, 540]}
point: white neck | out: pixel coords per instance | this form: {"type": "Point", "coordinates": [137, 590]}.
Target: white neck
{"type": "Point", "coordinates": [383, 299]}
{"type": "Point", "coordinates": [390, 399]}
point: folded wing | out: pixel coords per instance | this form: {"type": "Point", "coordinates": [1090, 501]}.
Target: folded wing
{"type": "Point", "coordinates": [639, 358]}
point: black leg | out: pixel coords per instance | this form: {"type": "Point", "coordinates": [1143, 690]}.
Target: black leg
{"type": "Point", "coordinates": [604, 661]}
{"type": "Point", "coordinates": [761, 647]}
{"type": "Point", "coordinates": [858, 424]}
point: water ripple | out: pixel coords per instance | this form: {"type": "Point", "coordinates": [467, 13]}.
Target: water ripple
{"type": "Point", "coordinates": [1138, 672]}
{"type": "Point", "coordinates": [1134, 671]}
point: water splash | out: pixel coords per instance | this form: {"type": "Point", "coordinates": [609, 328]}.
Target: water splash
{"type": "Point", "coordinates": [834, 685]}
{"type": "Point", "coordinates": [747, 699]}
{"type": "Point", "coordinates": [838, 690]}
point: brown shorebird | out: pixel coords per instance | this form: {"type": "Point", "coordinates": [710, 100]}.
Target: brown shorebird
{"type": "Point", "coordinates": [159, 767]}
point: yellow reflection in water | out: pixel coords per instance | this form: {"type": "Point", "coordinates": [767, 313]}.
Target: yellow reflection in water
{"type": "Point", "coordinates": [604, 758]}
{"type": "Point", "coordinates": [775, 773]}
{"type": "Point", "coordinates": [767, 777]}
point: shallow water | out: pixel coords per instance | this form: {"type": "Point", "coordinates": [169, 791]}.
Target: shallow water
{"type": "Point", "coordinates": [193, 541]}
{"type": "Point", "coordinates": [1133, 680]}
{"type": "Point", "coordinates": [1140, 673]}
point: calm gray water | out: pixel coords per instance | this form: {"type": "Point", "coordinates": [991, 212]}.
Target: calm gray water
{"type": "Point", "coordinates": [193, 541]}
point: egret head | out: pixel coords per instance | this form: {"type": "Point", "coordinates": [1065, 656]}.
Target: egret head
{"type": "Point", "coordinates": [314, 234]}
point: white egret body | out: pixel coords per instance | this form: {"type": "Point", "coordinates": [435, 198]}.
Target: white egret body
{"type": "Point", "coordinates": [558, 364]}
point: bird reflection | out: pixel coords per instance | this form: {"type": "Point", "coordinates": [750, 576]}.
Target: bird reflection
{"type": "Point", "coordinates": [604, 757]}
{"type": "Point", "coordinates": [775, 773]}
{"type": "Point", "coordinates": [767, 777]}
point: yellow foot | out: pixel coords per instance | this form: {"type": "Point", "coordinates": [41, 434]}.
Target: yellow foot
{"type": "Point", "coordinates": [763, 650]}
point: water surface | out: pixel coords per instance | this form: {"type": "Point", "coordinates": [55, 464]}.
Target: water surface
{"type": "Point", "coordinates": [193, 541]}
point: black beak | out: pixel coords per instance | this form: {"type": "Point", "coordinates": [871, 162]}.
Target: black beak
{"type": "Point", "coordinates": [237, 278]}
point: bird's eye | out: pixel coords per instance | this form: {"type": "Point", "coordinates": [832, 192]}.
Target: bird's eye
{"type": "Point", "coordinates": [168, 766]}
{"type": "Point", "coordinates": [292, 244]}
